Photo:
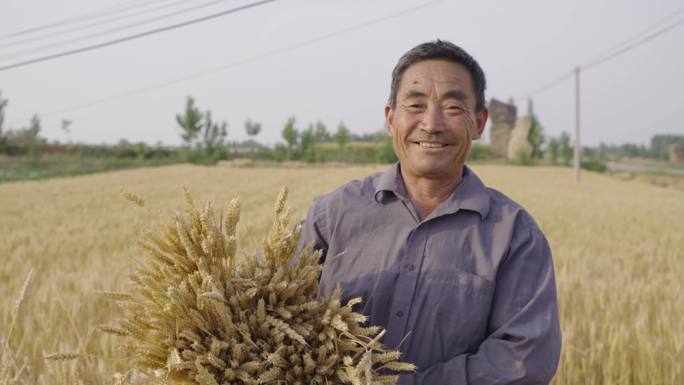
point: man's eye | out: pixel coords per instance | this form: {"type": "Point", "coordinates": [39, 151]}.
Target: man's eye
{"type": "Point", "coordinates": [415, 106]}
{"type": "Point", "coordinates": [454, 107]}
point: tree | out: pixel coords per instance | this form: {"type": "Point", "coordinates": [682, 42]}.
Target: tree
{"type": "Point", "coordinates": [384, 152]}
{"type": "Point", "coordinates": [200, 130]}
{"type": "Point", "coordinates": [290, 133]}
{"type": "Point", "coordinates": [142, 151]}
{"type": "Point", "coordinates": [3, 105]}
{"type": "Point", "coordinates": [65, 127]}
{"type": "Point", "coordinates": [321, 133]}
{"type": "Point", "coordinates": [190, 122]}
{"type": "Point", "coordinates": [252, 129]}
{"type": "Point", "coordinates": [26, 137]}
{"type": "Point", "coordinates": [536, 134]}
{"type": "Point", "coordinates": [214, 133]}
{"type": "Point", "coordinates": [565, 150]}
{"type": "Point", "coordinates": [342, 135]}
{"type": "Point", "coordinates": [660, 143]}
{"type": "Point", "coordinates": [307, 144]}
{"type": "Point", "coordinates": [554, 148]}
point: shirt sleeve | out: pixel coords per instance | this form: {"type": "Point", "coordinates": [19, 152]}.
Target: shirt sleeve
{"type": "Point", "coordinates": [524, 342]}
{"type": "Point", "coordinates": [313, 229]}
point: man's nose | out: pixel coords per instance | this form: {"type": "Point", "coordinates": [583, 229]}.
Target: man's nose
{"type": "Point", "coordinates": [433, 119]}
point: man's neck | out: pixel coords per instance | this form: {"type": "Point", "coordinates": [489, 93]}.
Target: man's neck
{"type": "Point", "coordinates": [428, 193]}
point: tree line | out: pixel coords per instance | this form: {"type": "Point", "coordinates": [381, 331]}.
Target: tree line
{"type": "Point", "coordinates": [560, 150]}
{"type": "Point", "coordinates": [205, 140]}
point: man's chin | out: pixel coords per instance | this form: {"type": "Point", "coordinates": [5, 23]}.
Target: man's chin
{"type": "Point", "coordinates": [435, 171]}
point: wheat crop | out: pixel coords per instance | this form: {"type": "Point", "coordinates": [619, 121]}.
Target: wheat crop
{"type": "Point", "coordinates": [618, 250]}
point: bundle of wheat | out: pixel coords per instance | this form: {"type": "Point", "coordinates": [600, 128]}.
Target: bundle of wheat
{"type": "Point", "coordinates": [198, 316]}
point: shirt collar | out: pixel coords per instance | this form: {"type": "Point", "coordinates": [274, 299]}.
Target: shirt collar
{"type": "Point", "coordinates": [389, 183]}
{"type": "Point", "coordinates": [471, 194]}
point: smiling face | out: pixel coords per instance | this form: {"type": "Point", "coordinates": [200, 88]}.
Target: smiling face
{"type": "Point", "coordinates": [433, 122]}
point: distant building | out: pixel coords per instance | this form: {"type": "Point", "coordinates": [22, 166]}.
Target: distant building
{"type": "Point", "coordinates": [676, 152]}
{"type": "Point", "coordinates": [519, 146]}
{"type": "Point", "coordinates": [503, 117]}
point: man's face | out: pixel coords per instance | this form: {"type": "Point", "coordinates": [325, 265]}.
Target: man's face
{"type": "Point", "coordinates": [433, 122]}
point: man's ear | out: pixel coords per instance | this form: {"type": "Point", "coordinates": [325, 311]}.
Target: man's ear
{"type": "Point", "coordinates": [480, 122]}
{"type": "Point", "coordinates": [389, 117]}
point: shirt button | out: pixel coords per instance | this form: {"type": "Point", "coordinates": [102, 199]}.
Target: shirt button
{"type": "Point", "coordinates": [400, 313]}
{"type": "Point", "coordinates": [410, 267]}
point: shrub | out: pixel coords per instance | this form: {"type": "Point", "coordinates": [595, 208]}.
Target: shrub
{"type": "Point", "coordinates": [384, 153]}
{"type": "Point", "coordinates": [479, 151]}
{"type": "Point", "coordinates": [594, 164]}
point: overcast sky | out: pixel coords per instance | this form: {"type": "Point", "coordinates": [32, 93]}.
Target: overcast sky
{"type": "Point", "coordinates": [521, 45]}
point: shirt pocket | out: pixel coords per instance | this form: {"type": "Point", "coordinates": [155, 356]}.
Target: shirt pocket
{"type": "Point", "coordinates": [462, 303]}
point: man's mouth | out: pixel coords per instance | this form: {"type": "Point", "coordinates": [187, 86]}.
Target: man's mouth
{"type": "Point", "coordinates": [431, 144]}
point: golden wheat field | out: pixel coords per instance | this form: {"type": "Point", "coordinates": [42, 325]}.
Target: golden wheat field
{"type": "Point", "coordinates": [618, 248]}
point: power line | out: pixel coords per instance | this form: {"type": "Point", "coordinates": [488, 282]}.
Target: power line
{"type": "Point", "coordinates": [632, 46]}
{"type": "Point", "coordinates": [236, 63]}
{"type": "Point", "coordinates": [135, 36]}
{"type": "Point", "coordinates": [87, 17]}
{"type": "Point", "coordinates": [101, 22]}
{"type": "Point", "coordinates": [638, 35]}
{"type": "Point", "coordinates": [75, 19]}
{"type": "Point", "coordinates": [553, 83]}
{"type": "Point", "coordinates": [621, 49]}
{"type": "Point", "coordinates": [615, 51]}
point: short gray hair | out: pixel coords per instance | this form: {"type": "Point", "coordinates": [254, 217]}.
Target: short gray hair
{"type": "Point", "coordinates": [440, 49]}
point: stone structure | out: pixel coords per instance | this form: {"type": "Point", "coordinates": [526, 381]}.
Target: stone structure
{"type": "Point", "coordinates": [503, 116]}
{"type": "Point", "coordinates": [676, 152]}
{"type": "Point", "coordinates": [519, 146]}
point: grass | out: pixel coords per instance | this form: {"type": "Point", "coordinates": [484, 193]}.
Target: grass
{"type": "Point", "coordinates": [618, 249]}
{"type": "Point", "coordinates": [657, 164]}
{"type": "Point", "coordinates": [653, 178]}
{"type": "Point", "coordinates": [27, 167]}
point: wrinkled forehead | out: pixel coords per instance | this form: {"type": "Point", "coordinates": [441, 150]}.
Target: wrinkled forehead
{"type": "Point", "coordinates": [436, 76]}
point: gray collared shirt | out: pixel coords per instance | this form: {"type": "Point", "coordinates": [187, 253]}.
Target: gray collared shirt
{"type": "Point", "coordinates": [468, 293]}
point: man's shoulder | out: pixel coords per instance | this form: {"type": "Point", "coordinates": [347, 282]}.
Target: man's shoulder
{"type": "Point", "coordinates": [354, 192]}
{"type": "Point", "coordinates": [504, 209]}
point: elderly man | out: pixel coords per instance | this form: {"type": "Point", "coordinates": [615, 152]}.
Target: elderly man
{"type": "Point", "coordinates": [460, 275]}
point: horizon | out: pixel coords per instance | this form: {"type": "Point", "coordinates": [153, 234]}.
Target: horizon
{"type": "Point", "coordinates": [625, 100]}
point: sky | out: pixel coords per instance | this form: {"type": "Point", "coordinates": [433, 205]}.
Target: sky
{"type": "Point", "coordinates": [331, 61]}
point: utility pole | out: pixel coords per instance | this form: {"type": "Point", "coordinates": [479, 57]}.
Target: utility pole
{"type": "Point", "coordinates": [578, 148]}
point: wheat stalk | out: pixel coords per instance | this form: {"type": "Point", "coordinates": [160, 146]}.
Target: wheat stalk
{"type": "Point", "coordinates": [199, 317]}
{"type": "Point", "coordinates": [62, 356]}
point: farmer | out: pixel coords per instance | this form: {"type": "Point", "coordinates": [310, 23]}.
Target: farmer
{"type": "Point", "coordinates": [459, 275]}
